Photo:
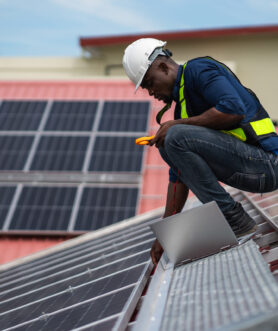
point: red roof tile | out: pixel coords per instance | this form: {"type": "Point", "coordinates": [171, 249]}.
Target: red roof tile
{"type": "Point", "coordinates": [12, 248]}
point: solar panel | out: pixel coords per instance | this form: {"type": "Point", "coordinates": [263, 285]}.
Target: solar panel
{"type": "Point", "coordinates": [62, 153]}
{"type": "Point", "coordinates": [71, 116]}
{"type": "Point", "coordinates": [102, 206]}
{"type": "Point", "coordinates": [80, 314]}
{"type": "Point", "coordinates": [21, 115]}
{"type": "Point", "coordinates": [116, 154]}
{"type": "Point", "coordinates": [43, 208]}
{"type": "Point", "coordinates": [14, 151]}
{"type": "Point", "coordinates": [124, 116]}
{"type": "Point", "coordinates": [6, 195]}
{"type": "Point", "coordinates": [85, 284]}
{"type": "Point", "coordinates": [71, 137]}
{"type": "Point", "coordinates": [57, 208]}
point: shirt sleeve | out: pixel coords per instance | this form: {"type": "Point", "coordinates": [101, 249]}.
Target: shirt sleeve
{"type": "Point", "coordinates": [215, 87]}
{"type": "Point", "coordinates": [172, 177]}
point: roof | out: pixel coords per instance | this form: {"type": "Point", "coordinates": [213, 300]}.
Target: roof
{"type": "Point", "coordinates": [96, 281]}
{"type": "Point", "coordinates": [179, 35]}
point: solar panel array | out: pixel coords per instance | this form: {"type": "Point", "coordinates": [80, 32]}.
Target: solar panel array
{"type": "Point", "coordinates": [70, 141]}
{"type": "Point", "coordinates": [93, 284]}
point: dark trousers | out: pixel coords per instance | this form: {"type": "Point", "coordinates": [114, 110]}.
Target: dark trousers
{"type": "Point", "coordinates": [205, 156]}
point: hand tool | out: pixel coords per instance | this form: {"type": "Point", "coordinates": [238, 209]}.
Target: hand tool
{"type": "Point", "coordinates": [143, 140]}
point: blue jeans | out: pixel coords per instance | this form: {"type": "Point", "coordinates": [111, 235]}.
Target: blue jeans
{"type": "Point", "coordinates": [204, 156]}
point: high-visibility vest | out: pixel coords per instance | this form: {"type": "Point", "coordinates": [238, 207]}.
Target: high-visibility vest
{"type": "Point", "coordinates": [260, 127]}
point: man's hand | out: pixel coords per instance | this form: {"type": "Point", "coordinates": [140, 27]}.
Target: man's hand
{"type": "Point", "coordinates": [158, 140]}
{"type": "Point", "coordinates": [156, 252]}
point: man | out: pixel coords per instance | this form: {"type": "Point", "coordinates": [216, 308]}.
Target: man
{"type": "Point", "coordinates": [220, 131]}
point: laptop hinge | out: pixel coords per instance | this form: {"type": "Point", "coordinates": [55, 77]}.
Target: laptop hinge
{"type": "Point", "coordinates": [224, 248]}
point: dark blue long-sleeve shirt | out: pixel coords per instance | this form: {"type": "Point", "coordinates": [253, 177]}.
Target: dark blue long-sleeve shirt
{"type": "Point", "coordinates": [208, 84]}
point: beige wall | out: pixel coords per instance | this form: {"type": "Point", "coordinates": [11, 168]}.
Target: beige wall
{"type": "Point", "coordinates": [255, 59]}
{"type": "Point", "coordinates": [40, 68]}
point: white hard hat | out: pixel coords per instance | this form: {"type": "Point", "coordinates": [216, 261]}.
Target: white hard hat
{"type": "Point", "coordinates": [139, 56]}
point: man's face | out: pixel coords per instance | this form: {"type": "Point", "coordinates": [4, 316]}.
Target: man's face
{"type": "Point", "coordinates": [158, 82]}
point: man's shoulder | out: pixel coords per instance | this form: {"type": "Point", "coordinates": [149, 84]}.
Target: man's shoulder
{"type": "Point", "coordinates": [198, 65]}
{"type": "Point", "coordinates": [203, 61]}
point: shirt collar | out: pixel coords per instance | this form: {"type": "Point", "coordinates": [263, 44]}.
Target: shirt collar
{"type": "Point", "coordinates": [176, 88]}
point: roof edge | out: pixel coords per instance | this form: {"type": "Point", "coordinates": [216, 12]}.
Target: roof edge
{"type": "Point", "coordinates": [177, 35]}
{"type": "Point", "coordinates": [155, 213]}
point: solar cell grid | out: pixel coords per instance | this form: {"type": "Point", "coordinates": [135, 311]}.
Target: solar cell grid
{"type": "Point", "coordinates": [80, 314]}
{"type": "Point", "coordinates": [21, 115]}
{"type": "Point", "coordinates": [14, 151]}
{"type": "Point", "coordinates": [116, 154]}
{"type": "Point", "coordinates": [77, 294]}
{"type": "Point", "coordinates": [72, 116]}
{"type": "Point", "coordinates": [6, 195]}
{"type": "Point", "coordinates": [124, 116]}
{"type": "Point", "coordinates": [71, 277]}
{"type": "Point", "coordinates": [43, 208]}
{"type": "Point", "coordinates": [103, 206]}
{"type": "Point", "coordinates": [62, 153]}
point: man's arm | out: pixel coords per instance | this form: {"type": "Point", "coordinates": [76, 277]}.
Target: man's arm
{"type": "Point", "coordinates": [176, 197]}
{"type": "Point", "coordinates": [212, 118]}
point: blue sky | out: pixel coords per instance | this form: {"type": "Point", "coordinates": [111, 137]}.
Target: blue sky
{"type": "Point", "coordinates": [53, 27]}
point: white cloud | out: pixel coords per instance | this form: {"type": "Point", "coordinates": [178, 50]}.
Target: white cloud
{"type": "Point", "coordinates": [112, 11]}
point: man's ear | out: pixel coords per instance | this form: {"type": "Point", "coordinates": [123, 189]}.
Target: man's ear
{"type": "Point", "coordinates": [163, 67]}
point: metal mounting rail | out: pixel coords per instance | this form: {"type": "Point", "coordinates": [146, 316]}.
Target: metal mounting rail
{"type": "Point", "coordinates": [262, 211]}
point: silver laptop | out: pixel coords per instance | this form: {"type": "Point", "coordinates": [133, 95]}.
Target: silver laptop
{"type": "Point", "coordinates": [195, 233]}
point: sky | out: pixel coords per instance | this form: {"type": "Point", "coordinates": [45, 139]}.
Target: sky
{"type": "Point", "coordinates": [53, 27]}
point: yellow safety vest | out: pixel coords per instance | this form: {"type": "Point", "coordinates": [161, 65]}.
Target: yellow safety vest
{"type": "Point", "coordinates": [250, 132]}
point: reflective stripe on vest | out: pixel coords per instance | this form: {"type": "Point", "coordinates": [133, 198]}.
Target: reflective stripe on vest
{"type": "Point", "coordinates": [182, 98]}
{"type": "Point", "coordinates": [261, 127]}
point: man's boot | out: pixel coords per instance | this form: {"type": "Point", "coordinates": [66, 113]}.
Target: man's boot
{"type": "Point", "coordinates": [240, 222]}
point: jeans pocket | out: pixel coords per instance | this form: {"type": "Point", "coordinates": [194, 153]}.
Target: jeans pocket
{"type": "Point", "coordinates": [247, 182]}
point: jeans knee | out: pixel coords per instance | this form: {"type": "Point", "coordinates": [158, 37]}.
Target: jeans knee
{"type": "Point", "coordinates": [176, 135]}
